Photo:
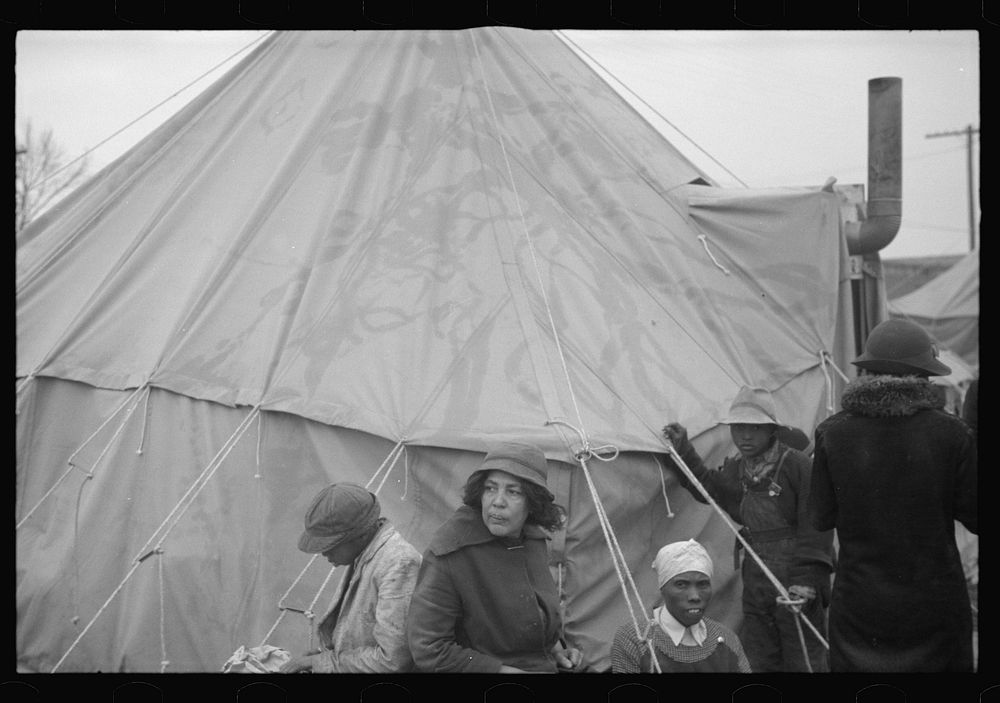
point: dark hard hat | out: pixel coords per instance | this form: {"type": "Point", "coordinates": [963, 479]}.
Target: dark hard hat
{"type": "Point", "coordinates": [901, 347]}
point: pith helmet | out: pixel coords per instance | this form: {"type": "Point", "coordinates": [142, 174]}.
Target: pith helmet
{"type": "Point", "coordinates": [901, 347]}
{"type": "Point", "coordinates": [752, 406]}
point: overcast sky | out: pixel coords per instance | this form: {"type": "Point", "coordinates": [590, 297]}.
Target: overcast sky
{"type": "Point", "coordinates": [765, 109]}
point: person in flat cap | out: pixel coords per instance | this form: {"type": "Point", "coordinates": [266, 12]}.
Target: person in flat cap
{"type": "Point", "coordinates": [485, 600]}
{"type": "Point", "coordinates": [680, 636]}
{"type": "Point", "coordinates": [765, 488]}
{"type": "Point", "coordinates": [893, 471]}
{"type": "Point", "coordinates": [363, 633]}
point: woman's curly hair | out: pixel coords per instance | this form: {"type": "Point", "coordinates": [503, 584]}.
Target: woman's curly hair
{"type": "Point", "coordinates": [542, 508]}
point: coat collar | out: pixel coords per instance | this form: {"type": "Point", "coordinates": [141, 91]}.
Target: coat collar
{"type": "Point", "coordinates": [382, 535]}
{"type": "Point", "coordinates": [466, 527]}
{"type": "Point", "coordinates": [890, 396]}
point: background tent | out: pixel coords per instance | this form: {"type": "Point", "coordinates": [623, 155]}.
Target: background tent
{"type": "Point", "coordinates": [947, 306]}
{"type": "Point", "coordinates": [360, 256]}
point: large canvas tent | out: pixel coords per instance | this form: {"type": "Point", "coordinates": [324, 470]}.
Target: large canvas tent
{"type": "Point", "coordinates": [361, 256]}
{"type": "Point", "coordinates": [947, 306]}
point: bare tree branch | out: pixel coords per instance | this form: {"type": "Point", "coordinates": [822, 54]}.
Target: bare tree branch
{"type": "Point", "coordinates": [42, 174]}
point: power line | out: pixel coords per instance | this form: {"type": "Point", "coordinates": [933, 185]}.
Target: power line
{"type": "Point", "coordinates": [968, 132]}
{"type": "Point", "coordinates": [580, 50]}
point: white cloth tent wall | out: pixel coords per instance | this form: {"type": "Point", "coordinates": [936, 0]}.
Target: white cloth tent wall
{"type": "Point", "coordinates": [361, 241]}
{"type": "Point", "coordinates": [947, 307]}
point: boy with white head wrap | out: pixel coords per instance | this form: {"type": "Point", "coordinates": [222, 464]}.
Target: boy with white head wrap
{"type": "Point", "coordinates": [682, 638]}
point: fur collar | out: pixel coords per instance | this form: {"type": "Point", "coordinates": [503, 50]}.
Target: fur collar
{"type": "Point", "coordinates": [890, 396]}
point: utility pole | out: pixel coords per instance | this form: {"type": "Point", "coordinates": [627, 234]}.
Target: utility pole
{"type": "Point", "coordinates": [968, 132]}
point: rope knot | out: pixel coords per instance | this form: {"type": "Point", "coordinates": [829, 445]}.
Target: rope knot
{"type": "Point", "coordinates": [792, 603]}
{"type": "Point", "coordinates": [605, 452]}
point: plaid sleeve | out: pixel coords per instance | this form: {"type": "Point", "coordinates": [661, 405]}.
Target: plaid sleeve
{"type": "Point", "coordinates": [626, 652]}
{"type": "Point", "coordinates": [742, 662]}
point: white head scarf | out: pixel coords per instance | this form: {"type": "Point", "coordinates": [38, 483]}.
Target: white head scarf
{"type": "Point", "coordinates": [678, 557]}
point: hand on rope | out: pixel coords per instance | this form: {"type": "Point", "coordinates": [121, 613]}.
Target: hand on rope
{"type": "Point", "coordinates": [677, 434]}
{"type": "Point", "coordinates": [793, 602]}
{"type": "Point", "coordinates": [806, 592]}
{"type": "Point", "coordinates": [677, 438]}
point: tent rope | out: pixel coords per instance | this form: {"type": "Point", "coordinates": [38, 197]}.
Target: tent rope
{"type": "Point", "coordinates": [24, 384]}
{"type": "Point", "coordinates": [260, 420]}
{"type": "Point", "coordinates": [150, 110]}
{"type": "Point", "coordinates": [704, 242]}
{"type": "Point", "coordinates": [825, 359]}
{"type": "Point", "coordinates": [17, 393]}
{"type": "Point", "coordinates": [390, 462]}
{"type": "Point", "coordinates": [663, 486]}
{"type": "Point", "coordinates": [75, 587]}
{"type": "Point", "coordinates": [199, 483]}
{"type": "Point", "coordinates": [281, 601]}
{"type": "Point", "coordinates": [638, 97]}
{"type": "Point", "coordinates": [672, 451]}
{"type": "Point", "coordinates": [121, 585]}
{"type": "Point", "coordinates": [586, 451]}
{"type": "Point", "coordinates": [164, 662]}
{"type": "Point", "coordinates": [795, 605]}
{"type": "Point", "coordinates": [829, 383]}
{"type": "Point", "coordinates": [71, 465]}
{"type": "Point", "coordinates": [310, 613]}
{"type": "Point", "coordinates": [193, 491]}
{"type": "Point", "coordinates": [617, 558]}
{"type": "Point", "coordinates": [145, 421]}
{"type": "Point", "coordinates": [406, 472]}
{"type": "Point", "coordinates": [527, 236]}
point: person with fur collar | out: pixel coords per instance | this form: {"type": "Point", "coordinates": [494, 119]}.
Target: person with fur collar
{"type": "Point", "coordinates": [892, 472]}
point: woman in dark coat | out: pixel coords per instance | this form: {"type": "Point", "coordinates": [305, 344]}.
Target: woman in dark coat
{"type": "Point", "coordinates": [892, 471]}
{"type": "Point", "coordinates": [485, 601]}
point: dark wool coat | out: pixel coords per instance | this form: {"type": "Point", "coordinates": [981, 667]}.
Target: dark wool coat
{"type": "Point", "coordinates": [481, 602]}
{"type": "Point", "coordinates": [892, 472]}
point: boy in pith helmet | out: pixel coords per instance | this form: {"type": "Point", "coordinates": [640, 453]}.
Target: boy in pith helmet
{"type": "Point", "coordinates": [765, 488]}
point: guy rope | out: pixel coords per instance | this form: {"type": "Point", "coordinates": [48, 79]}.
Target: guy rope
{"type": "Point", "coordinates": [309, 613]}
{"type": "Point", "coordinates": [586, 451]}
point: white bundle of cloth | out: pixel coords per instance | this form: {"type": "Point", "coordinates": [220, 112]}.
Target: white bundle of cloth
{"type": "Point", "coordinates": [264, 659]}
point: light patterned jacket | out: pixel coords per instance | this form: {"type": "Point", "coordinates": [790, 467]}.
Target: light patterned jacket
{"type": "Point", "coordinates": [366, 634]}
